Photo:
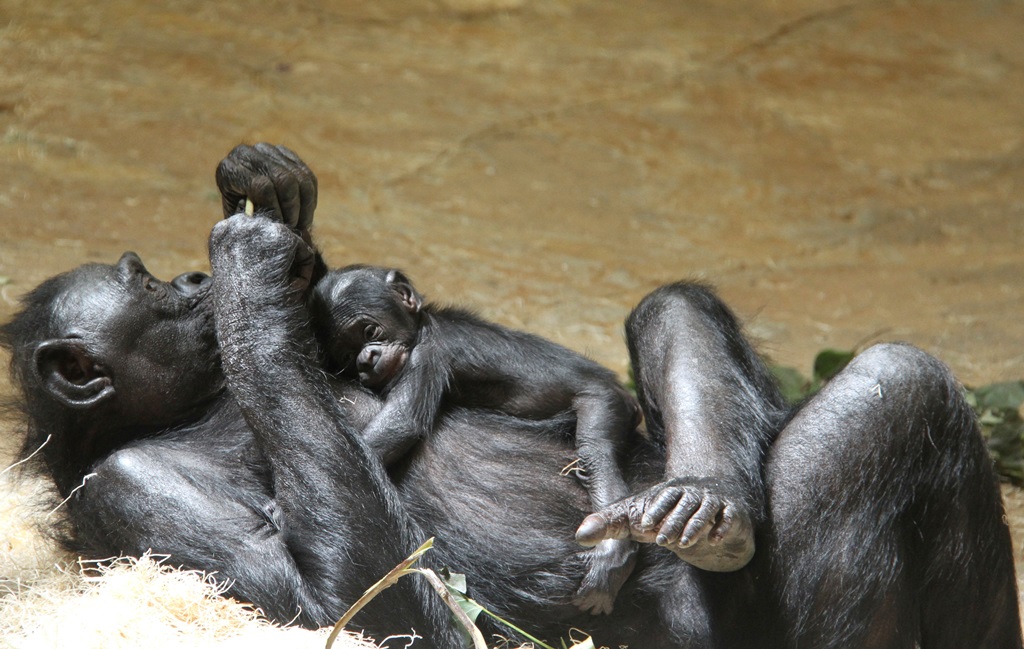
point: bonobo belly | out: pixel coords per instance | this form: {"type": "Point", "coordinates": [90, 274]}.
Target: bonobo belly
{"type": "Point", "coordinates": [498, 491]}
{"type": "Point", "coordinates": [501, 499]}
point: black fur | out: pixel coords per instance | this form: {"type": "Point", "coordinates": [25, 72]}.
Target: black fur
{"type": "Point", "coordinates": [874, 509]}
{"type": "Point", "coordinates": [422, 358]}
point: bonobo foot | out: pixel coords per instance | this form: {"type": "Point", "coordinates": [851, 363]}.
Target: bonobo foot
{"type": "Point", "coordinates": [611, 563]}
{"type": "Point", "coordinates": [697, 518]}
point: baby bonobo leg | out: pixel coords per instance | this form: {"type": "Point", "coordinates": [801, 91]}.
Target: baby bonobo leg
{"type": "Point", "coordinates": [605, 415]}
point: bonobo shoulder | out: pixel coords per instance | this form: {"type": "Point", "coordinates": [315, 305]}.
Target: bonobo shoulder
{"type": "Point", "coordinates": [130, 467]}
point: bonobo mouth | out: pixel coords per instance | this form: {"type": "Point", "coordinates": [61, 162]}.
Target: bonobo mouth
{"type": "Point", "coordinates": [199, 301]}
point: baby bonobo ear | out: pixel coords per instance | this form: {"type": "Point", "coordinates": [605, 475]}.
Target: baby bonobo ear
{"type": "Point", "coordinates": [67, 371]}
{"type": "Point", "coordinates": [400, 284]}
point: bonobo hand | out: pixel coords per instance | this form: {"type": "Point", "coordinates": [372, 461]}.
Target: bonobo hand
{"type": "Point", "coordinates": [254, 254]}
{"type": "Point", "coordinates": [696, 518]}
{"type": "Point", "coordinates": [277, 181]}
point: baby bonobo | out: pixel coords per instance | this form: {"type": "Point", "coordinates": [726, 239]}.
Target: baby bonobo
{"type": "Point", "coordinates": [417, 356]}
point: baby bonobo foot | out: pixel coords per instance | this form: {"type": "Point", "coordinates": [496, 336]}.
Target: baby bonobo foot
{"type": "Point", "coordinates": [611, 563]}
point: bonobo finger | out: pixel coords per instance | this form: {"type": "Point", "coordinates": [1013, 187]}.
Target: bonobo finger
{"type": "Point", "coordinates": [596, 528]}
{"type": "Point", "coordinates": [268, 151]}
{"type": "Point", "coordinates": [264, 196]}
{"type": "Point", "coordinates": [306, 188]}
{"type": "Point", "coordinates": [229, 182]}
{"type": "Point", "coordinates": [236, 174]}
{"type": "Point", "coordinates": [295, 184]}
{"type": "Point", "coordinates": [302, 266]}
{"type": "Point", "coordinates": [271, 159]}
{"type": "Point", "coordinates": [291, 157]}
{"type": "Point", "coordinates": [700, 522]}
{"type": "Point", "coordinates": [617, 521]}
{"type": "Point", "coordinates": [660, 506]}
{"type": "Point", "coordinates": [289, 197]}
{"type": "Point", "coordinates": [674, 523]}
{"type": "Point", "coordinates": [307, 203]}
{"type": "Point", "coordinates": [723, 526]}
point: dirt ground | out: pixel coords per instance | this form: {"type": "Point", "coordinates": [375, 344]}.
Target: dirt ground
{"type": "Point", "coordinates": [843, 172]}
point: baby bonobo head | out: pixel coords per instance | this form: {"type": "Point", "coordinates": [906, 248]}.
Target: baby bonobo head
{"type": "Point", "coordinates": [368, 319]}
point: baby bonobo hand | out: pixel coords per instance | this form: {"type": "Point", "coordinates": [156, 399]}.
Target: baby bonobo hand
{"type": "Point", "coordinates": [611, 563]}
{"type": "Point", "coordinates": [702, 520]}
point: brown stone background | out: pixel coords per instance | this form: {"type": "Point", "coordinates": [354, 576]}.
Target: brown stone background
{"type": "Point", "coordinates": [844, 171]}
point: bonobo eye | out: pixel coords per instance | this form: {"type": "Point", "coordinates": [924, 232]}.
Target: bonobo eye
{"type": "Point", "coordinates": [153, 285]}
{"type": "Point", "coordinates": [373, 332]}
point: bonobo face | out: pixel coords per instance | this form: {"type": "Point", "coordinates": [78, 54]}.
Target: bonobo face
{"type": "Point", "coordinates": [372, 322]}
{"type": "Point", "coordinates": [378, 358]}
{"type": "Point", "coordinates": [373, 344]}
{"type": "Point", "coordinates": [152, 342]}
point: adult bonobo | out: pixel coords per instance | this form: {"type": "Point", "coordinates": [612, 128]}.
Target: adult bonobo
{"type": "Point", "coordinates": [874, 509]}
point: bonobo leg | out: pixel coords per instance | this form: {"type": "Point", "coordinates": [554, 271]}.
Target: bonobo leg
{"type": "Point", "coordinates": [885, 522]}
{"type": "Point", "coordinates": [713, 404]}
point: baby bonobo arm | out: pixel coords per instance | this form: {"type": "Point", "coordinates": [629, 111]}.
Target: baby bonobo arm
{"type": "Point", "coordinates": [605, 415]}
{"type": "Point", "coordinates": [410, 408]}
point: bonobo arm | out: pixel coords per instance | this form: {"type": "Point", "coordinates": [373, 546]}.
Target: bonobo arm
{"type": "Point", "coordinates": [711, 401]}
{"type": "Point", "coordinates": [342, 524]}
{"type": "Point", "coordinates": [191, 498]}
{"type": "Point", "coordinates": [410, 408]}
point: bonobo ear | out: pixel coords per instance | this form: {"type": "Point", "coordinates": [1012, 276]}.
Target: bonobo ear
{"type": "Point", "coordinates": [67, 371]}
{"type": "Point", "coordinates": [401, 285]}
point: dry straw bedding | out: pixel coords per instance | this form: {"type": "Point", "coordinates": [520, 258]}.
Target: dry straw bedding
{"type": "Point", "coordinates": [47, 599]}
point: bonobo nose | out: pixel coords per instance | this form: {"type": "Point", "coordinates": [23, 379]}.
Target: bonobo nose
{"type": "Point", "coordinates": [367, 359]}
{"type": "Point", "coordinates": [190, 284]}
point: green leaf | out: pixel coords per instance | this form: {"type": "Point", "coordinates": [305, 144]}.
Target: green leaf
{"type": "Point", "coordinates": [998, 409]}
{"type": "Point", "coordinates": [989, 418]}
{"type": "Point", "coordinates": [455, 581]}
{"type": "Point", "coordinates": [830, 362]}
{"type": "Point", "coordinates": [1008, 395]}
{"type": "Point", "coordinates": [972, 400]}
{"type": "Point", "coordinates": [468, 606]}
{"type": "Point", "coordinates": [794, 385]}
{"type": "Point", "coordinates": [456, 584]}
